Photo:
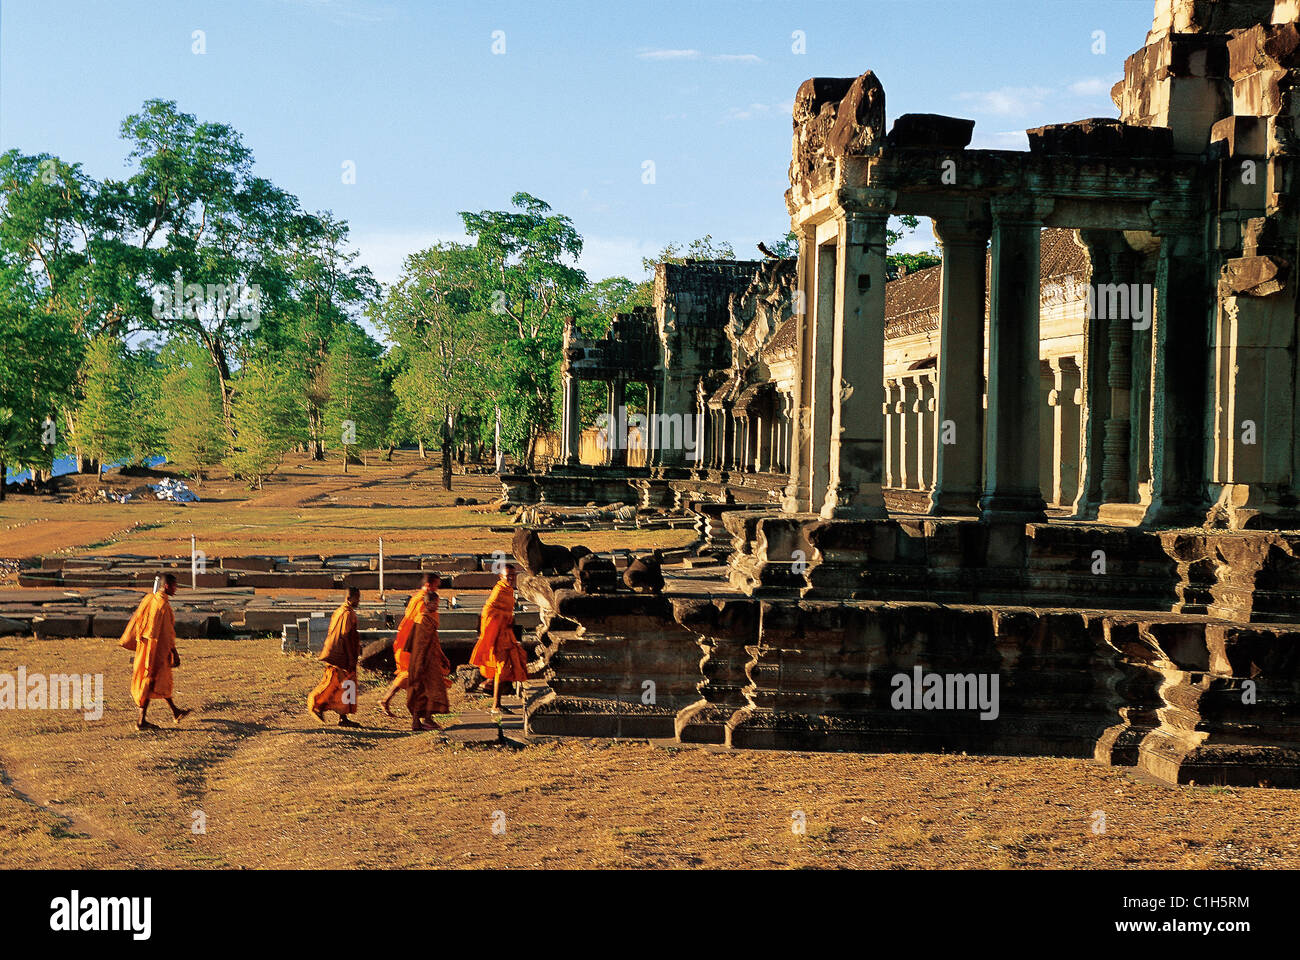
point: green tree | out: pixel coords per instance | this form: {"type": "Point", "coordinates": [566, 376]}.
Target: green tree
{"type": "Point", "coordinates": [328, 288]}
{"type": "Point", "coordinates": [37, 372]}
{"type": "Point", "coordinates": [528, 285]}
{"type": "Point", "coordinates": [357, 409]}
{"type": "Point", "coordinates": [209, 235]}
{"type": "Point", "coordinates": [190, 401]}
{"type": "Point", "coordinates": [105, 410]}
{"type": "Point", "coordinates": [441, 357]}
{"type": "Point", "coordinates": [269, 416]}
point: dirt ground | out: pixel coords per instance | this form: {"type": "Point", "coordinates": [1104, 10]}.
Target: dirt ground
{"type": "Point", "coordinates": [251, 780]}
{"type": "Point", "coordinates": [307, 507]}
{"type": "Point", "coordinates": [272, 788]}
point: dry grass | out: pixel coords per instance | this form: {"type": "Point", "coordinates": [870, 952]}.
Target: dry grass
{"type": "Point", "coordinates": [308, 507]}
{"type": "Point", "coordinates": [279, 790]}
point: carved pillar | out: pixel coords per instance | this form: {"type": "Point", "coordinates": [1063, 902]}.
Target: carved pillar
{"type": "Point", "coordinates": [857, 429]}
{"type": "Point", "coordinates": [617, 425]}
{"type": "Point", "coordinates": [1095, 409]}
{"type": "Point", "coordinates": [822, 326]}
{"type": "Point", "coordinates": [1011, 487]}
{"type": "Point", "coordinates": [924, 431]}
{"type": "Point", "coordinates": [931, 425]}
{"type": "Point", "coordinates": [1047, 438]}
{"type": "Point", "coordinates": [787, 431]}
{"type": "Point", "coordinates": [960, 415]}
{"type": "Point", "coordinates": [1179, 371]}
{"type": "Point", "coordinates": [891, 434]}
{"type": "Point", "coordinates": [571, 420]}
{"type": "Point", "coordinates": [905, 457]}
{"type": "Point", "coordinates": [798, 495]}
{"type": "Point", "coordinates": [1065, 428]}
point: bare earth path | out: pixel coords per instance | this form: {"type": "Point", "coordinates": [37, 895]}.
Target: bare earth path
{"type": "Point", "coordinates": [270, 787]}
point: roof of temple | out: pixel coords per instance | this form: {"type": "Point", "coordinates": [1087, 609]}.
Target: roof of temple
{"type": "Point", "coordinates": [912, 302]}
{"type": "Point", "coordinates": [783, 342]}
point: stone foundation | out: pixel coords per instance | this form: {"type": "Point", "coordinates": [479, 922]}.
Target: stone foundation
{"type": "Point", "coordinates": [1184, 698]}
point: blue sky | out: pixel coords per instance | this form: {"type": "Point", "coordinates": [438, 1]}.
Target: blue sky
{"type": "Point", "coordinates": [584, 94]}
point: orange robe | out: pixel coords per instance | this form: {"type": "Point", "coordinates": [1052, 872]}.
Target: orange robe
{"type": "Point", "coordinates": [428, 666]}
{"type": "Point", "coordinates": [402, 643]}
{"type": "Point", "coordinates": [151, 633]}
{"type": "Point", "coordinates": [497, 650]}
{"type": "Point", "coordinates": [337, 690]}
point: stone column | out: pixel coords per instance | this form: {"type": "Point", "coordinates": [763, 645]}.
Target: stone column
{"type": "Point", "coordinates": [1179, 373]}
{"type": "Point", "coordinates": [924, 431]}
{"type": "Point", "coordinates": [959, 420]}
{"type": "Point", "coordinates": [1064, 400]}
{"type": "Point", "coordinates": [1047, 439]}
{"type": "Point", "coordinates": [891, 434]}
{"type": "Point", "coordinates": [571, 420]}
{"type": "Point", "coordinates": [618, 425]}
{"type": "Point", "coordinates": [822, 327]}
{"type": "Point", "coordinates": [904, 458]}
{"type": "Point", "coordinates": [1095, 370]}
{"type": "Point", "coordinates": [854, 487]}
{"type": "Point", "coordinates": [1011, 487]}
{"type": "Point", "coordinates": [698, 457]}
{"type": "Point", "coordinates": [787, 431]}
{"type": "Point", "coordinates": [797, 490]}
{"type": "Point", "coordinates": [650, 427]}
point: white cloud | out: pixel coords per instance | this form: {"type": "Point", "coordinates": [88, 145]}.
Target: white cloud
{"type": "Point", "coordinates": [1002, 140]}
{"type": "Point", "coordinates": [737, 58]}
{"type": "Point", "coordinates": [1091, 87]}
{"type": "Point", "coordinates": [746, 113]}
{"type": "Point", "coordinates": [669, 55]}
{"type": "Point", "coordinates": [1007, 101]}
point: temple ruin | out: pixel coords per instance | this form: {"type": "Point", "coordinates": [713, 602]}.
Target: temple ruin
{"type": "Point", "coordinates": [1062, 463]}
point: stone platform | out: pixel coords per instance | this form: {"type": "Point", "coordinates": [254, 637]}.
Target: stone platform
{"type": "Point", "coordinates": [1185, 663]}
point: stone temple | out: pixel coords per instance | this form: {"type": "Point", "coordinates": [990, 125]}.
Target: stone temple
{"type": "Point", "coordinates": [1049, 484]}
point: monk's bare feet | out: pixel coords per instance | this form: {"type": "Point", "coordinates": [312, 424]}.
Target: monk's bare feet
{"type": "Point", "coordinates": [428, 725]}
{"type": "Point", "coordinates": [318, 715]}
{"type": "Point", "coordinates": [345, 722]}
{"type": "Point", "coordinates": [181, 714]}
{"type": "Point", "coordinates": [383, 705]}
{"type": "Point", "coordinates": [146, 725]}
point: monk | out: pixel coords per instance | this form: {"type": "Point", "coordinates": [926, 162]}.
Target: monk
{"type": "Point", "coordinates": [151, 633]}
{"type": "Point", "coordinates": [426, 692]}
{"type": "Point", "coordinates": [498, 654]}
{"type": "Point", "coordinates": [337, 690]}
{"type": "Point", "coordinates": [422, 667]}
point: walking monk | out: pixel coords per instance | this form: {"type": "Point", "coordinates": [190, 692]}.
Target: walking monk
{"type": "Point", "coordinates": [498, 654]}
{"type": "Point", "coordinates": [337, 690]}
{"type": "Point", "coordinates": [422, 667]}
{"type": "Point", "coordinates": [151, 633]}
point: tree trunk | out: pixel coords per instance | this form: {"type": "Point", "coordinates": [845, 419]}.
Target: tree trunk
{"type": "Point", "coordinates": [3, 485]}
{"type": "Point", "coordinates": [446, 449]}
{"type": "Point", "coordinates": [423, 455]}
